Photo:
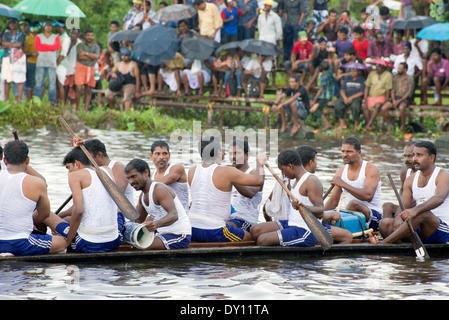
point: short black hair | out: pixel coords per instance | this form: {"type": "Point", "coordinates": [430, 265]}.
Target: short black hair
{"type": "Point", "coordinates": [138, 164]}
{"type": "Point", "coordinates": [384, 11]}
{"type": "Point", "coordinates": [343, 29]}
{"type": "Point", "coordinates": [405, 65]}
{"type": "Point", "coordinates": [289, 156]}
{"type": "Point", "coordinates": [242, 144]}
{"type": "Point", "coordinates": [159, 143]}
{"type": "Point", "coordinates": [76, 154]}
{"type": "Point", "coordinates": [95, 146]}
{"type": "Point", "coordinates": [116, 23]}
{"type": "Point", "coordinates": [296, 77]}
{"type": "Point", "coordinates": [359, 30]}
{"type": "Point", "coordinates": [307, 154]}
{"type": "Point", "coordinates": [209, 148]}
{"type": "Point", "coordinates": [89, 30]}
{"type": "Point", "coordinates": [16, 152]}
{"type": "Point", "coordinates": [429, 145]}
{"type": "Point", "coordinates": [197, 2]}
{"type": "Point", "coordinates": [353, 141]}
{"type": "Point", "coordinates": [350, 50]}
{"type": "Point", "coordinates": [333, 11]}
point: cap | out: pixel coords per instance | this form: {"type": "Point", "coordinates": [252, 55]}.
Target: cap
{"type": "Point", "coordinates": [268, 3]}
{"type": "Point", "coordinates": [302, 35]}
{"type": "Point", "coordinates": [24, 22]}
{"type": "Point", "coordinates": [47, 22]}
{"type": "Point", "coordinates": [125, 52]}
{"type": "Point", "coordinates": [59, 23]}
{"type": "Point", "coordinates": [137, 1]}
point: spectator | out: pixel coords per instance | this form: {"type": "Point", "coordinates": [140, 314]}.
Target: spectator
{"type": "Point", "coordinates": [401, 95]}
{"type": "Point", "coordinates": [297, 104]}
{"type": "Point", "coordinates": [348, 57]}
{"type": "Point", "coordinates": [31, 54]}
{"type": "Point", "coordinates": [69, 85]}
{"type": "Point", "coordinates": [380, 47]}
{"type": "Point", "coordinates": [311, 30]}
{"type": "Point", "coordinates": [209, 19]}
{"type": "Point", "coordinates": [319, 11]}
{"type": "Point", "coordinates": [14, 60]}
{"type": "Point", "coordinates": [319, 54]}
{"type": "Point", "coordinates": [47, 44]}
{"type": "Point", "coordinates": [346, 21]}
{"type": "Point", "coordinates": [88, 53]}
{"type": "Point", "coordinates": [260, 69]}
{"type": "Point", "coordinates": [131, 13]}
{"type": "Point", "coordinates": [414, 66]}
{"type": "Point", "coordinates": [196, 78]}
{"type": "Point", "coordinates": [246, 22]}
{"type": "Point", "coordinates": [221, 65]}
{"type": "Point", "coordinates": [398, 43]}
{"type": "Point", "coordinates": [184, 31]}
{"type": "Point", "coordinates": [437, 75]}
{"type": "Point", "coordinates": [351, 95]}
{"type": "Point", "coordinates": [170, 74]}
{"type": "Point", "coordinates": [295, 12]}
{"type": "Point", "coordinates": [360, 43]}
{"type": "Point", "coordinates": [144, 18]}
{"type": "Point", "coordinates": [269, 24]}
{"type": "Point", "coordinates": [378, 87]}
{"type": "Point", "coordinates": [407, 11]}
{"type": "Point", "coordinates": [124, 80]}
{"type": "Point", "coordinates": [237, 71]}
{"type": "Point", "coordinates": [343, 42]}
{"type": "Point", "coordinates": [386, 23]}
{"type": "Point", "coordinates": [301, 56]}
{"type": "Point", "coordinates": [329, 28]}
{"type": "Point", "coordinates": [61, 62]}
{"type": "Point", "coordinates": [230, 16]}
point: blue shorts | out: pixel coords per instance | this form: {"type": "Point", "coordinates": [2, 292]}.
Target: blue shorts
{"type": "Point", "coordinates": [175, 241]}
{"type": "Point", "coordinates": [242, 224]}
{"type": "Point", "coordinates": [292, 236]}
{"type": "Point", "coordinates": [80, 245]}
{"type": "Point", "coordinates": [223, 234]}
{"type": "Point", "coordinates": [35, 244]}
{"type": "Point", "coordinates": [301, 110]}
{"type": "Point", "coordinates": [374, 219]}
{"type": "Point", "coordinates": [441, 235]}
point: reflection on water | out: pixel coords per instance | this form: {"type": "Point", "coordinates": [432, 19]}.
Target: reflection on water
{"type": "Point", "coordinates": [363, 277]}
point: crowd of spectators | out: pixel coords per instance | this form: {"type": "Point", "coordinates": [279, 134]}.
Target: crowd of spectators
{"type": "Point", "coordinates": [370, 69]}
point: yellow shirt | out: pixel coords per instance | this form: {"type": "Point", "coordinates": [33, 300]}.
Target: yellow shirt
{"type": "Point", "coordinates": [28, 47]}
{"type": "Point", "coordinates": [209, 20]}
{"type": "Point", "coordinates": [379, 86]}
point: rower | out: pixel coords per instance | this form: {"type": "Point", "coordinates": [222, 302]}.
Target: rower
{"type": "Point", "coordinates": [211, 186]}
{"type": "Point", "coordinates": [390, 209]}
{"type": "Point", "coordinates": [23, 202]}
{"type": "Point", "coordinates": [359, 180]}
{"type": "Point", "coordinates": [429, 188]}
{"type": "Point", "coordinates": [308, 191]}
{"type": "Point", "coordinates": [308, 157]}
{"type": "Point", "coordinates": [160, 209]}
{"type": "Point", "coordinates": [95, 224]}
{"type": "Point", "coordinates": [172, 174]}
{"type": "Point", "coordinates": [245, 200]}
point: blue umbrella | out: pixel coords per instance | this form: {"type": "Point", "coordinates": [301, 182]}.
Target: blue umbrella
{"type": "Point", "coordinates": [156, 45]}
{"type": "Point", "coordinates": [435, 32]}
{"type": "Point", "coordinates": [6, 11]}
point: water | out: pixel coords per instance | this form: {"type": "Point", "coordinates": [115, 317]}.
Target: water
{"type": "Point", "coordinates": [337, 277]}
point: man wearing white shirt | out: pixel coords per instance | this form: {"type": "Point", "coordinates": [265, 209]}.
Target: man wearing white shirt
{"type": "Point", "coordinates": [144, 17]}
{"type": "Point", "coordinates": [414, 63]}
{"type": "Point", "coordinates": [269, 24]}
{"type": "Point", "coordinates": [259, 68]}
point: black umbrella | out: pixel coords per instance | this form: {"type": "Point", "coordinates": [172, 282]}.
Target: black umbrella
{"type": "Point", "coordinates": [227, 46]}
{"type": "Point", "coordinates": [175, 12]}
{"type": "Point", "coordinates": [197, 48]}
{"type": "Point", "coordinates": [125, 35]}
{"type": "Point", "coordinates": [260, 47]}
{"type": "Point", "coordinates": [416, 22]}
{"type": "Point", "coordinates": [156, 45]}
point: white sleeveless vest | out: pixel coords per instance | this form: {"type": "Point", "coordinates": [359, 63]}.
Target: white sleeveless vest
{"type": "Point", "coordinates": [129, 191]}
{"type": "Point", "coordinates": [245, 208]}
{"type": "Point", "coordinates": [294, 217]}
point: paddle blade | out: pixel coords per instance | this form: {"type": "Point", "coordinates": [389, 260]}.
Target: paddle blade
{"type": "Point", "coordinates": [316, 227]}
{"type": "Point", "coordinates": [418, 246]}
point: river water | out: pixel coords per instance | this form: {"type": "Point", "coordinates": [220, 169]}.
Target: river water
{"type": "Point", "coordinates": [338, 277]}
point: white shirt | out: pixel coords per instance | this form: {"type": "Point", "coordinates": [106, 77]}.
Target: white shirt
{"type": "Point", "coordinates": [412, 61]}
{"type": "Point", "coordinates": [270, 28]}
{"type": "Point", "coordinates": [267, 64]}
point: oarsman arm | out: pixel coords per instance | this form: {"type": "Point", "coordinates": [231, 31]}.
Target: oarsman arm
{"type": "Point", "coordinates": [35, 189]}
{"type": "Point", "coordinates": [248, 191]}
{"type": "Point", "coordinates": [141, 210]}
{"type": "Point", "coordinates": [369, 189]}
{"type": "Point", "coordinates": [78, 207]}
{"type": "Point", "coordinates": [314, 190]}
{"type": "Point", "coordinates": [441, 192]}
{"type": "Point", "coordinates": [163, 196]}
{"type": "Point", "coordinates": [177, 171]}
{"type": "Point", "coordinates": [256, 179]}
{"type": "Point", "coordinates": [335, 195]}
{"type": "Point", "coordinates": [118, 172]}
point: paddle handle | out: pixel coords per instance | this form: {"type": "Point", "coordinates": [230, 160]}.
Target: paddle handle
{"type": "Point", "coordinates": [328, 191]}
{"type": "Point", "coordinates": [63, 205]}
{"type": "Point", "coordinates": [361, 233]}
{"type": "Point", "coordinates": [340, 202]}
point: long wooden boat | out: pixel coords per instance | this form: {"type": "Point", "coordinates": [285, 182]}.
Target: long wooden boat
{"type": "Point", "coordinates": [127, 253]}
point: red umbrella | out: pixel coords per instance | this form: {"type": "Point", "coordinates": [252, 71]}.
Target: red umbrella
{"type": "Point", "coordinates": [381, 62]}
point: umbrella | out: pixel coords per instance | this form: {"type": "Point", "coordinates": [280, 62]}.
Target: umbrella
{"type": "Point", "coordinates": [381, 62]}
{"type": "Point", "coordinates": [417, 22]}
{"type": "Point", "coordinates": [125, 35]}
{"type": "Point", "coordinates": [197, 48]}
{"type": "Point", "coordinates": [53, 8]}
{"type": "Point", "coordinates": [227, 46]}
{"type": "Point", "coordinates": [175, 12]}
{"type": "Point", "coordinates": [435, 32]}
{"type": "Point", "coordinates": [354, 65]}
{"type": "Point", "coordinates": [8, 12]}
{"type": "Point", "coordinates": [156, 44]}
{"type": "Point", "coordinates": [260, 47]}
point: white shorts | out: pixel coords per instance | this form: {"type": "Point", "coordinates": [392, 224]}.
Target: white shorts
{"type": "Point", "coordinates": [61, 73]}
{"type": "Point", "coordinates": [193, 78]}
{"type": "Point", "coordinates": [8, 71]}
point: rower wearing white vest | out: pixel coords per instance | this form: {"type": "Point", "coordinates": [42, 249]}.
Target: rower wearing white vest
{"type": "Point", "coordinates": [95, 223]}
{"type": "Point", "coordinates": [360, 183]}
{"type": "Point", "coordinates": [172, 174]}
{"type": "Point", "coordinates": [307, 191]}
{"type": "Point", "coordinates": [245, 200]}
{"type": "Point", "coordinates": [159, 208]}
{"type": "Point", "coordinates": [23, 202]}
{"type": "Point", "coordinates": [211, 186]}
{"type": "Point", "coordinates": [429, 189]}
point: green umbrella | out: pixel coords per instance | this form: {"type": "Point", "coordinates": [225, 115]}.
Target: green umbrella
{"type": "Point", "coordinates": [51, 8]}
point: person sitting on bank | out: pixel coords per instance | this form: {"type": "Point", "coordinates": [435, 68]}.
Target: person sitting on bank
{"type": "Point", "coordinates": [159, 208]}
{"type": "Point", "coordinates": [437, 75]}
{"type": "Point", "coordinates": [95, 223]}
{"type": "Point", "coordinates": [259, 69]}
{"type": "Point", "coordinates": [24, 203]}
{"type": "Point", "coordinates": [297, 104]}
{"type": "Point", "coordinates": [211, 183]}
{"type": "Point", "coordinates": [301, 57]}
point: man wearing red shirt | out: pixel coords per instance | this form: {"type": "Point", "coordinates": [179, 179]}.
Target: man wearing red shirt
{"type": "Point", "coordinates": [301, 56]}
{"type": "Point", "coordinates": [360, 43]}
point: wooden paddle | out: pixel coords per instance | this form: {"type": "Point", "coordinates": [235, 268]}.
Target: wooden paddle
{"type": "Point", "coordinates": [328, 191]}
{"type": "Point", "coordinates": [315, 226]}
{"type": "Point", "coordinates": [420, 250]}
{"type": "Point", "coordinates": [125, 206]}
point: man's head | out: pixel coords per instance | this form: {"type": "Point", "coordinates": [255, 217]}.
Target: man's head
{"type": "Point", "coordinates": [294, 81]}
{"type": "Point", "coordinates": [268, 5]}
{"type": "Point", "coordinates": [160, 154]}
{"type": "Point", "coordinates": [384, 13]}
{"type": "Point", "coordinates": [349, 54]}
{"type": "Point", "coordinates": [75, 160]}
{"type": "Point", "coordinates": [115, 26]}
{"type": "Point", "coordinates": [351, 150]}
{"type": "Point", "coordinates": [137, 172]}
{"type": "Point", "coordinates": [25, 25]}
{"type": "Point", "coordinates": [12, 24]}
{"type": "Point", "coordinates": [407, 48]}
{"type": "Point", "coordinates": [199, 4]}
{"type": "Point", "coordinates": [355, 73]}
{"type": "Point", "coordinates": [182, 26]}
{"type": "Point", "coordinates": [74, 35]}
{"type": "Point", "coordinates": [16, 152]}
{"type": "Point", "coordinates": [308, 157]}
{"type": "Point", "coordinates": [408, 154]}
{"type": "Point", "coordinates": [402, 68]}
{"type": "Point", "coordinates": [424, 155]}
{"type": "Point", "coordinates": [89, 35]}
{"type": "Point", "coordinates": [125, 54]}
{"type": "Point", "coordinates": [48, 26]}
{"type": "Point", "coordinates": [288, 160]}
{"type": "Point", "coordinates": [97, 149]}
{"type": "Point", "coordinates": [333, 15]}
{"type": "Point", "coordinates": [210, 149]}
{"type": "Point", "coordinates": [359, 33]}
{"type": "Point", "coordinates": [343, 33]}
{"type": "Point", "coordinates": [238, 152]}
{"type": "Point", "coordinates": [435, 55]}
